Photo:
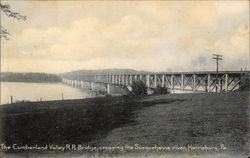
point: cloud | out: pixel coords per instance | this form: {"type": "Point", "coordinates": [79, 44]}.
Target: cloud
{"type": "Point", "coordinates": [154, 36]}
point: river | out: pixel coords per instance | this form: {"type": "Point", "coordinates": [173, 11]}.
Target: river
{"type": "Point", "coordinates": [36, 91]}
{"type": "Point", "coordinates": [49, 91]}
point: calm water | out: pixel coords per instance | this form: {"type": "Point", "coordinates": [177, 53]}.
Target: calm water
{"type": "Point", "coordinates": [34, 91]}
{"type": "Point", "coordinates": [47, 91]}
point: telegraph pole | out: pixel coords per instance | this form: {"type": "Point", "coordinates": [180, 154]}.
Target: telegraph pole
{"type": "Point", "coordinates": [217, 57]}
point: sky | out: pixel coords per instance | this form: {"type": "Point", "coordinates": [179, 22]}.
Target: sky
{"type": "Point", "coordinates": [63, 36]}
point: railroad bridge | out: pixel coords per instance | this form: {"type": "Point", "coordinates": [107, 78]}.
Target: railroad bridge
{"type": "Point", "coordinates": [202, 81]}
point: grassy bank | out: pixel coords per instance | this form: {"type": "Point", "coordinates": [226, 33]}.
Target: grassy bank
{"type": "Point", "coordinates": [198, 120]}
{"type": "Point", "coordinates": [66, 122]}
{"type": "Point", "coordinates": [168, 120]}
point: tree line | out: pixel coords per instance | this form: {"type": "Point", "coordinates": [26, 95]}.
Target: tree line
{"type": "Point", "coordinates": [29, 77]}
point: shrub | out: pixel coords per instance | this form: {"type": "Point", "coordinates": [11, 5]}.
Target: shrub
{"type": "Point", "coordinates": [245, 84]}
{"type": "Point", "coordinates": [160, 90]}
{"type": "Point", "coordinates": [102, 92]}
{"type": "Point", "coordinates": [139, 88]}
{"type": "Point", "coordinates": [108, 95]}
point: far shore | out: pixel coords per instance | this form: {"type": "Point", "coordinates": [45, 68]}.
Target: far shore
{"type": "Point", "coordinates": [33, 81]}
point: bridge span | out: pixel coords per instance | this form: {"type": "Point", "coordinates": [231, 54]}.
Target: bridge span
{"type": "Point", "coordinates": [202, 81]}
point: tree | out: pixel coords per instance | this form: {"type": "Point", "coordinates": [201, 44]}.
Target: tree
{"type": "Point", "coordinates": [139, 88]}
{"type": "Point", "coordinates": [5, 8]}
{"type": "Point", "coordinates": [160, 90]}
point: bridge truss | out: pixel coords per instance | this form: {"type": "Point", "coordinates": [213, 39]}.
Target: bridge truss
{"type": "Point", "coordinates": [186, 81]}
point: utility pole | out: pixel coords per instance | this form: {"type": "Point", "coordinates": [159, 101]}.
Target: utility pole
{"type": "Point", "coordinates": [217, 57]}
{"type": "Point", "coordinates": [11, 99]}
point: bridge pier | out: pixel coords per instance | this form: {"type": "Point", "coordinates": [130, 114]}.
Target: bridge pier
{"type": "Point", "coordinates": [226, 82]}
{"type": "Point", "coordinates": [163, 81]}
{"type": "Point", "coordinates": [126, 80]}
{"type": "Point", "coordinates": [208, 83]}
{"type": "Point", "coordinates": [119, 79]}
{"type": "Point", "coordinates": [135, 77]}
{"type": "Point", "coordinates": [75, 83]}
{"type": "Point", "coordinates": [130, 79]}
{"type": "Point", "coordinates": [82, 85]}
{"type": "Point", "coordinates": [148, 80]}
{"type": "Point", "coordinates": [92, 86]}
{"type": "Point", "coordinates": [155, 81]}
{"type": "Point", "coordinates": [172, 83]}
{"type": "Point", "coordinates": [182, 81]}
{"type": "Point", "coordinates": [194, 83]}
{"type": "Point", "coordinates": [108, 88]}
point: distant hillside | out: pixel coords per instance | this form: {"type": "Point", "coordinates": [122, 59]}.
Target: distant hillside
{"type": "Point", "coordinates": [29, 77]}
{"type": "Point", "coordinates": [77, 74]}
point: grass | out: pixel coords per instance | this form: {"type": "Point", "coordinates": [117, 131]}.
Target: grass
{"type": "Point", "coordinates": [66, 122]}
{"type": "Point", "coordinates": [201, 119]}
{"type": "Point", "coordinates": [165, 120]}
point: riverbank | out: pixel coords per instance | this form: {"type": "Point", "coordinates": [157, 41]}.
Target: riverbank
{"type": "Point", "coordinates": [205, 120]}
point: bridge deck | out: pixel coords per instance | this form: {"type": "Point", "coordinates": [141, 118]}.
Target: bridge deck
{"type": "Point", "coordinates": [207, 81]}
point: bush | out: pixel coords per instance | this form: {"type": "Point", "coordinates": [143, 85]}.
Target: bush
{"type": "Point", "coordinates": [160, 90]}
{"type": "Point", "coordinates": [245, 84]}
{"type": "Point", "coordinates": [102, 92]}
{"type": "Point", "coordinates": [108, 95]}
{"type": "Point", "coordinates": [139, 88]}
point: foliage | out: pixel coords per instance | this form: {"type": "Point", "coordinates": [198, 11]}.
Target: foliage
{"type": "Point", "coordinates": [5, 8]}
{"type": "Point", "coordinates": [160, 90]}
{"type": "Point", "coordinates": [29, 77]}
{"type": "Point", "coordinates": [139, 88]}
{"type": "Point", "coordinates": [7, 11]}
{"type": "Point", "coordinates": [108, 95]}
{"type": "Point", "coordinates": [245, 84]}
{"type": "Point", "coordinates": [4, 33]}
